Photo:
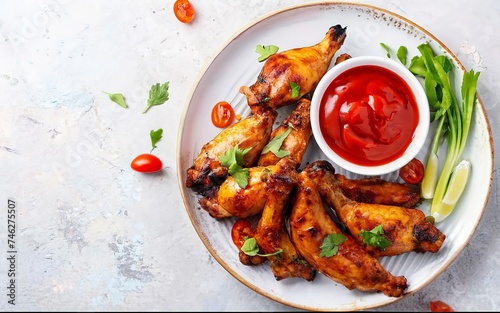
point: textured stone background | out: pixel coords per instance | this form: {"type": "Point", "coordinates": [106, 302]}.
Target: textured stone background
{"type": "Point", "coordinates": [94, 235]}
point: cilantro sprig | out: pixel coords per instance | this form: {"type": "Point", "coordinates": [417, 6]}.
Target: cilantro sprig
{"type": "Point", "coordinates": [233, 160]}
{"type": "Point", "coordinates": [330, 245]}
{"type": "Point", "coordinates": [158, 94]}
{"type": "Point", "coordinates": [265, 51]}
{"type": "Point", "coordinates": [374, 237]}
{"type": "Point", "coordinates": [251, 248]}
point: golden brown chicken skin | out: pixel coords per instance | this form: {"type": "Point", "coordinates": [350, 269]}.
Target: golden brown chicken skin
{"type": "Point", "coordinates": [297, 141]}
{"type": "Point", "coordinates": [272, 234]}
{"type": "Point", "coordinates": [252, 132]}
{"type": "Point", "coordinates": [377, 190]}
{"type": "Point", "coordinates": [352, 265]}
{"type": "Point", "coordinates": [303, 66]}
{"type": "Point", "coordinates": [405, 228]}
{"type": "Point", "coordinates": [232, 200]}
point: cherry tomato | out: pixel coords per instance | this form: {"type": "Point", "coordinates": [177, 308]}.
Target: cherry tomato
{"type": "Point", "coordinates": [146, 163]}
{"type": "Point", "coordinates": [440, 306]}
{"type": "Point", "coordinates": [413, 172]}
{"type": "Point", "coordinates": [184, 11]}
{"type": "Point", "coordinates": [241, 228]}
{"type": "Point", "coordinates": [222, 114]}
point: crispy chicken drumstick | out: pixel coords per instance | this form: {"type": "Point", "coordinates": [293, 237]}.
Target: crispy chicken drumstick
{"type": "Point", "coordinates": [272, 234]}
{"type": "Point", "coordinates": [253, 131]}
{"type": "Point", "coordinates": [303, 66]}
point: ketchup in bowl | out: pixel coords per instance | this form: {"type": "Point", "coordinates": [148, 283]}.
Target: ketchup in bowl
{"type": "Point", "coordinates": [368, 115]}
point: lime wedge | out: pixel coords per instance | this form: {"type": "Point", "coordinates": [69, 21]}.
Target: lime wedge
{"type": "Point", "coordinates": [430, 177]}
{"type": "Point", "coordinates": [456, 186]}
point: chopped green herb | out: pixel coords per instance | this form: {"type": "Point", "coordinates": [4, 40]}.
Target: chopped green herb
{"type": "Point", "coordinates": [386, 48]}
{"type": "Point", "coordinates": [117, 98]}
{"type": "Point", "coordinates": [295, 89]}
{"type": "Point", "coordinates": [251, 248]}
{"type": "Point", "coordinates": [330, 245]}
{"type": "Point", "coordinates": [275, 144]}
{"type": "Point", "coordinates": [265, 51]}
{"type": "Point", "coordinates": [158, 94]}
{"type": "Point", "coordinates": [155, 137]}
{"type": "Point", "coordinates": [374, 237]}
{"type": "Point", "coordinates": [401, 54]}
{"type": "Point", "coordinates": [233, 160]}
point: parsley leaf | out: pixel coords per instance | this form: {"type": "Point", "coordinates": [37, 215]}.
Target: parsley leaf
{"type": "Point", "coordinates": [401, 54]}
{"type": "Point", "coordinates": [155, 137]}
{"type": "Point", "coordinates": [265, 51]}
{"type": "Point", "coordinates": [158, 94]}
{"type": "Point", "coordinates": [117, 98]}
{"type": "Point", "coordinates": [233, 160]}
{"type": "Point", "coordinates": [374, 237]}
{"type": "Point", "coordinates": [275, 144]}
{"type": "Point", "coordinates": [330, 245]}
{"type": "Point", "coordinates": [386, 48]}
{"type": "Point", "coordinates": [295, 89]}
{"type": "Point", "coordinates": [251, 248]}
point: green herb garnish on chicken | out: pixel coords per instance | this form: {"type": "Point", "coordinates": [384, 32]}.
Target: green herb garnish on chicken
{"type": "Point", "coordinates": [233, 160]}
{"type": "Point", "coordinates": [374, 237]}
{"type": "Point", "coordinates": [330, 245]}
{"type": "Point", "coordinates": [265, 51]}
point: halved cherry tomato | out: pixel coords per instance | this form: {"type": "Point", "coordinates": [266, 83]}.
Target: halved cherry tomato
{"type": "Point", "coordinates": [146, 163]}
{"type": "Point", "coordinates": [222, 114]}
{"type": "Point", "coordinates": [413, 172]}
{"type": "Point", "coordinates": [440, 306]}
{"type": "Point", "coordinates": [241, 228]}
{"type": "Point", "coordinates": [184, 11]}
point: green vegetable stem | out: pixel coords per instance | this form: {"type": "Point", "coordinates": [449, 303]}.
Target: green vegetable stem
{"type": "Point", "coordinates": [453, 118]}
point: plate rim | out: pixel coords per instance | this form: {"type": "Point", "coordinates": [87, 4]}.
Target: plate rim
{"type": "Point", "coordinates": [180, 171]}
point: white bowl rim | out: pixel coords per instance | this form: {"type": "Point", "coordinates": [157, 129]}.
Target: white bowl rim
{"type": "Point", "coordinates": [420, 133]}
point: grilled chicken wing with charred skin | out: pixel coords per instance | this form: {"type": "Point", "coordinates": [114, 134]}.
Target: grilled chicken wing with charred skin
{"type": "Point", "coordinates": [405, 228]}
{"type": "Point", "coordinates": [352, 266]}
{"type": "Point", "coordinates": [297, 140]}
{"type": "Point", "coordinates": [232, 200]}
{"type": "Point", "coordinates": [377, 190]}
{"type": "Point", "coordinates": [272, 234]}
{"type": "Point", "coordinates": [251, 132]}
{"type": "Point", "coordinates": [303, 66]}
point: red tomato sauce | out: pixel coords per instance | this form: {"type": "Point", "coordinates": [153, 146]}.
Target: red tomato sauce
{"type": "Point", "coordinates": [368, 115]}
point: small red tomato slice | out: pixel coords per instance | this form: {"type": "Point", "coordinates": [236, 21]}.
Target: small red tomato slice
{"type": "Point", "coordinates": [413, 172]}
{"type": "Point", "coordinates": [184, 11]}
{"type": "Point", "coordinates": [241, 229]}
{"type": "Point", "coordinates": [146, 163]}
{"type": "Point", "coordinates": [440, 306]}
{"type": "Point", "coordinates": [222, 114]}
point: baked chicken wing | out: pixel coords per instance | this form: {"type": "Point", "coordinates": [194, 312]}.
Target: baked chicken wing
{"type": "Point", "coordinates": [377, 190]}
{"type": "Point", "coordinates": [272, 234]}
{"type": "Point", "coordinates": [352, 265]}
{"type": "Point", "coordinates": [252, 132]}
{"type": "Point", "coordinates": [303, 66]}
{"type": "Point", "coordinates": [295, 144]}
{"type": "Point", "coordinates": [405, 228]}
{"type": "Point", "coordinates": [232, 200]}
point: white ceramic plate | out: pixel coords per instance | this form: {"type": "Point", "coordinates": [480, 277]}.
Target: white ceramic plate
{"type": "Point", "coordinates": [236, 65]}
